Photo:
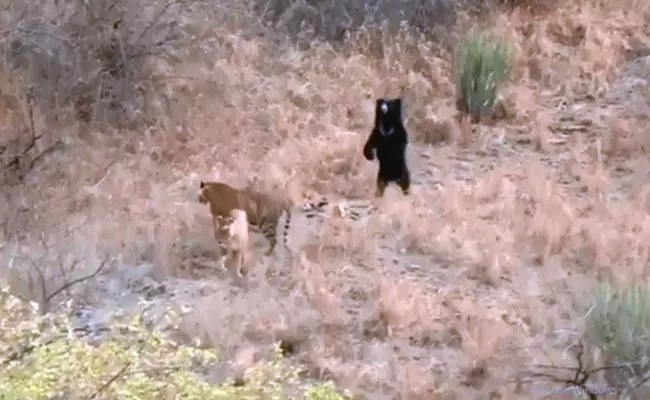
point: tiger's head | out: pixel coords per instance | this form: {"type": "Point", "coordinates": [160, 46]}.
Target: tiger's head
{"type": "Point", "coordinates": [222, 198]}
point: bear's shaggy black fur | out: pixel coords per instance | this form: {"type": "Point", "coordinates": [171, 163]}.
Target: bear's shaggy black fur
{"type": "Point", "coordinates": [389, 139]}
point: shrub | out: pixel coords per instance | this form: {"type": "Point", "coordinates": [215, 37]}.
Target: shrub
{"type": "Point", "coordinates": [620, 323]}
{"type": "Point", "coordinates": [332, 20]}
{"type": "Point", "coordinates": [90, 60]}
{"type": "Point", "coordinates": [483, 65]}
{"type": "Point", "coordinates": [43, 357]}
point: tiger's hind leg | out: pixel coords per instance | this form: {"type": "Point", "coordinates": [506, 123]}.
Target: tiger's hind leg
{"type": "Point", "coordinates": [219, 225]}
{"type": "Point", "coordinates": [273, 241]}
{"type": "Point", "coordinates": [268, 230]}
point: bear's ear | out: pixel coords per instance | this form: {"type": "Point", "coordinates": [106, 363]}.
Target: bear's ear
{"type": "Point", "coordinates": [202, 185]}
{"type": "Point", "coordinates": [381, 107]}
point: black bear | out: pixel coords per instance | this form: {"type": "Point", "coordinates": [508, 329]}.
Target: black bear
{"type": "Point", "coordinates": [389, 139]}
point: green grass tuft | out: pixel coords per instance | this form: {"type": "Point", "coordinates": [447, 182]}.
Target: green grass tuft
{"type": "Point", "coordinates": [619, 322]}
{"type": "Point", "coordinates": [484, 64]}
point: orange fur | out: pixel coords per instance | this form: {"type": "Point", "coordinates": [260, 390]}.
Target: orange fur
{"type": "Point", "coordinates": [262, 210]}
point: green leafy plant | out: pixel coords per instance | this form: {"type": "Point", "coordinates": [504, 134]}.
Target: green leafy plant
{"type": "Point", "coordinates": [483, 65]}
{"type": "Point", "coordinates": [42, 357]}
{"type": "Point", "coordinates": [619, 322]}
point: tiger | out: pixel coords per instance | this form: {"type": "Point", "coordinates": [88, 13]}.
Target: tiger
{"type": "Point", "coordinates": [264, 210]}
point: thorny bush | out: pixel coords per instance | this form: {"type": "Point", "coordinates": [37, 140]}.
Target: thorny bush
{"type": "Point", "coordinates": [46, 356]}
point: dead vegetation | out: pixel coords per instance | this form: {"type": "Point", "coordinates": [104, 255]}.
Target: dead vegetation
{"type": "Point", "coordinates": [447, 293]}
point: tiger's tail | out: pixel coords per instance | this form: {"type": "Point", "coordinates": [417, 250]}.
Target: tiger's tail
{"type": "Point", "coordinates": [287, 226]}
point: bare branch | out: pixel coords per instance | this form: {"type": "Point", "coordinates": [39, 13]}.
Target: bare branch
{"type": "Point", "coordinates": [28, 111]}
{"type": "Point", "coordinates": [76, 281]}
{"type": "Point", "coordinates": [115, 377]}
{"type": "Point", "coordinates": [44, 307]}
{"type": "Point", "coordinates": [24, 352]}
{"type": "Point", "coordinates": [580, 375]}
{"type": "Point", "coordinates": [155, 20]}
{"type": "Point", "coordinates": [58, 145]}
{"type": "Point", "coordinates": [118, 375]}
{"type": "Point", "coordinates": [107, 170]}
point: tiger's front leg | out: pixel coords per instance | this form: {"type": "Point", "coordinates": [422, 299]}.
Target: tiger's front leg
{"type": "Point", "coordinates": [218, 225]}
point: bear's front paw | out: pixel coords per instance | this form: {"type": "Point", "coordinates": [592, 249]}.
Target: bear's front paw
{"type": "Point", "coordinates": [369, 154]}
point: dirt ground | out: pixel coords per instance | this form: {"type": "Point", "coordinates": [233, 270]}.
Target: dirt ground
{"type": "Point", "coordinates": [453, 292]}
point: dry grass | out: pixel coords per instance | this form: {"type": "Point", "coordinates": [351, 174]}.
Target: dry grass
{"type": "Point", "coordinates": [435, 295]}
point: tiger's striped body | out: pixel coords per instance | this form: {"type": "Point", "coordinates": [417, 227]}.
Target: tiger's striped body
{"type": "Point", "coordinates": [264, 211]}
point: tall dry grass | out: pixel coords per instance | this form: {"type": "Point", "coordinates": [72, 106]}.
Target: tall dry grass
{"type": "Point", "coordinates": [444, 293]}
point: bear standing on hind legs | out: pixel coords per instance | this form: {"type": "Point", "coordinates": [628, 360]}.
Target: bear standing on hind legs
{"type": "Point", "coordinates": [389, 139]}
